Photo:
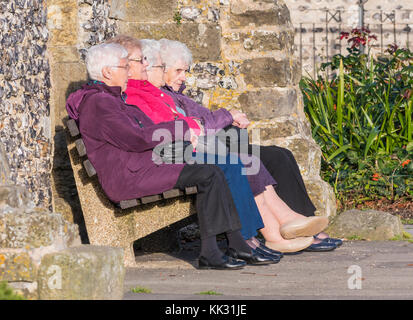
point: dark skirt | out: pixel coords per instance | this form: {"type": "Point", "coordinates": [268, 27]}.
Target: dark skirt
{"type": "Point", "coordinates": [283, 167]}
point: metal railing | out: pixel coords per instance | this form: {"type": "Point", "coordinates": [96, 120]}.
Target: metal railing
{"type": "Point", "coordinates": [324, 42]}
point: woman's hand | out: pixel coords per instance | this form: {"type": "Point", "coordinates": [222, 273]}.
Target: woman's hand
{"type": "Point", "coordinates": [240, 119]}
{"type": "Point", "coordinates": [194, 138]}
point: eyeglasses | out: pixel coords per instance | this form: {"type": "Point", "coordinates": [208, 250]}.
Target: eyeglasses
{"type": "Point", "coordinates": [140, 60]}
{"type": "Point", "coordinates": [126, 67]}
{"type": "Point", "coordinates": [163, 66]}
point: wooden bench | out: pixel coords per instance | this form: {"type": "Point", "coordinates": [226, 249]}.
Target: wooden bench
{"type": "Point", "coordinates": [119, 225]}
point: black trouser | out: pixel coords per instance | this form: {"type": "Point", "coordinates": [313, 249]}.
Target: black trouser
{"type": "Point", "coordinates": [283, 167]}
{"type": "Point", "coordinates": [214, 204]}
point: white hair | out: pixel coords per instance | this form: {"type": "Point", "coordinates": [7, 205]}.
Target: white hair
{"type": "Point", "coordinates": [174, 51]}
{"type": "Point", "coordinates": [103, 55]}
{"type": "Point", "coordinates": [150, 49]}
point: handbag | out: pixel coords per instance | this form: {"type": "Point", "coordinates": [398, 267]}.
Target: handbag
{"type": "Point", "coordinates": [173, 152]}
{"type": "Point", "coordinates": [235, 138]}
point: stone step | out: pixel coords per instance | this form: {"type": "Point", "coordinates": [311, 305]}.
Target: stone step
{"type": "Point", "coordinates": [82, 273]}
{"type": "Point", "coordinates": [36, 229]}
{"type": "Point", "coordinates": [366, 224]}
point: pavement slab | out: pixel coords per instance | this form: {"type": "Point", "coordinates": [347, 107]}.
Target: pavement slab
{"type": "Point", "coordinates": [356, 270]}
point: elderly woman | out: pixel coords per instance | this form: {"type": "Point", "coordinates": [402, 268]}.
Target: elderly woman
{"type": "Point", "coordinates": [159, 107]}
{"type": "Point", "coordinates": [280, 162]}
{"type": "Point", "coordinates": [119, 142]}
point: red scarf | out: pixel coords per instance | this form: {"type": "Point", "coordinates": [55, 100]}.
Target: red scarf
{"type": "Point", "coordinates": [157, 105]}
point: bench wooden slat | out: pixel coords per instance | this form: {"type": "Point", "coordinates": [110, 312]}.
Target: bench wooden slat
{"type": "Point", "coordinates": [172, 193]}
{"type": "Point", "coordinates": [72, 126]}
{"type": "Point", "coordinates": [149, 199]}
{"type": "Point", "coordinates": [89, 168]}
{"type": "Point", "coordinates": [125, 204]}
{"type": "Point", "coordinates": [191, 190]}
{"type": "Point", "coordinates": [80, 147]}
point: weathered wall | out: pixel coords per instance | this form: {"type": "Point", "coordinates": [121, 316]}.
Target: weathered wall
{"type": "Point", "coordinates": [25, 129]}
{"type": "Point", "coordinates": [309, 19]}
{"type": "Point", "coordinates": [243, 52]}
{"type": "Point", "coordinates": [74, 26]}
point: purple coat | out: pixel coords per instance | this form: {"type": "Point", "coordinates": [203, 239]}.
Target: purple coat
{"type": "Point", "coordinates": [217, 120]}
{"type": "Point", "coordinates": [119, 142]}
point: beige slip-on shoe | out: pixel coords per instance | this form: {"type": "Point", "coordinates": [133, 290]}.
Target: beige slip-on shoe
{"type": "Point", "coordinates": [292, 245]}
{"type": "Point", "coordinates": [305, 227]}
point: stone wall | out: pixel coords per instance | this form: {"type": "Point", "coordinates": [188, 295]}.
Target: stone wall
{"type": "Point", "coordinates": [25, 129]}
{"type": "Point", "coordinates": [243, 58]}
{"type": "Point", "coordinates": [74, 26]}
{"type": "Point", "coordinates": [309, 19]}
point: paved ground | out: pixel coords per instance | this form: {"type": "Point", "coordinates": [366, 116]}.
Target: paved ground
{"type": "Point", "coordinates": [356, 270]}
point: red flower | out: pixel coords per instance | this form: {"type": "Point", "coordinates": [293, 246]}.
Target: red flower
{"type": "Point", "coordinates": [375, 177]}
{"type": "Point", "coordinates": [405, 163]}
{"type": "Point", "coordinates": [344, 35]}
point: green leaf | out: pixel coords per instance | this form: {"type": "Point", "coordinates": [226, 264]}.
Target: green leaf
{"type": "Point", "coordinates": [373, 134]}
{"type": "Point", "coordinates": [338, 151]}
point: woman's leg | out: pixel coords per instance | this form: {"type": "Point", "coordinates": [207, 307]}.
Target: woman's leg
{"type": "Point", "coordinates": [242, 195]}
{"type": "Point", "coordinates": [290, 187]}
{"type": "Point", "coordinates": [281, 211]}
{"type": "Point", "coordinates": [215, 207]}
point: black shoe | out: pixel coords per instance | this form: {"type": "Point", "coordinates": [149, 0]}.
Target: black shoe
{"type": "Point", "coordinates": [320, 247]}
{"type": "Point", "coordinates": [269, 252]}
{"type": "Point", "coordinates": [227, 264]}
{"type": "Point", "coordinates": [337, 242]}
{"type": "Point", "coordinates": [253, 258]}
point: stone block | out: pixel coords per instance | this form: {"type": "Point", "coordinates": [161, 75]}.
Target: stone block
{"type": "Point", "coordinates": [244, 13]}
{"type": "Point", "coordinates": [307, 153]}
{"type": "Point", "coordinates": [279, 130]}
{"type": "Point", "coordinates": [36, 229]}
{"type": "Point", "coordinates": [268, 103]}
{"type": "Point", "coordinates": [63, 54]}
{"type": "Point", "coordinates": [143, 10]}
{"type": "Point", "coordinates": [13, 197]}
{"type": "Point", "coordinates": [266, 72]}
{"type": "Point", "coordinates": [260, 40]}
{"type": "Point", "coordinates": [202, 39]}
{"type": "Point", "coordinates": [82, 273]}
{"type": "Point", "coordinates": [17, 266]}
{"type": "Point", "coordinates": [61, 19]}
{"type": "Point", "coordinates": [66, 78]}
{"type": "Point", "coordinates": [322, 196]}
{"type": "Point", "coordinates": [368, 225]}
{"type": "Point", "coordinates": [4, 166]}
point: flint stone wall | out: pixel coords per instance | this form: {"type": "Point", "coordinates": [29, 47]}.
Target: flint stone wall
{"type": "Point", "coordinates": [243, 58]}
{"type": "Point", "coordinates": [25, 115]}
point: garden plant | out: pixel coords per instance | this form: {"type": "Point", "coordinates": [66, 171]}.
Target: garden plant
{"type": "Point", "coordinates": [360, 109]}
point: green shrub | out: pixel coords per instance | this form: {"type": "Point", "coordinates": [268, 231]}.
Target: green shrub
{"type": "Point", "coordinates": [6, 293]}
{"type": "Point", "coordinates": [361, 116]}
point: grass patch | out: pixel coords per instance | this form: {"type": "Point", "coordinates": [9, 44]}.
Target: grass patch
{"type": "Point", "coordinates": [210, 293]}
{"type": "Point", "coordinates": [407, 221]}
{"type": "Point", "coordinates": [7, 293]}
{"type": "Point", "coordinates": [140, 290]}
{"type": "Point", "coordinates": [355, 237]}
{"type": "Point", "coordinates": [405, 236]}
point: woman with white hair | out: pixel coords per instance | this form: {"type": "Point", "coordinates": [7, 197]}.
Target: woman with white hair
{"type": "Point", "coordinates": [279, 162]}
{"type": "Point", "coordinates": [119, 143]}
